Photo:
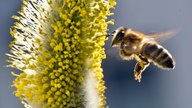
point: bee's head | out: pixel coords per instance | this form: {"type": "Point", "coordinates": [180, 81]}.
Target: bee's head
{"type": "Point", "coordinates": [118, 35]}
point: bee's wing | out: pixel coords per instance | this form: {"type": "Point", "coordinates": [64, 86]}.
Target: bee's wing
{"type": "Point", "coordinates": [162, 36]}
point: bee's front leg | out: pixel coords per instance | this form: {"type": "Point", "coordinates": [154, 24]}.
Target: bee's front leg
{"type": "Point", "coordinates": [139, 68]}
{"type": "Point", "coordinates": [125, 56]}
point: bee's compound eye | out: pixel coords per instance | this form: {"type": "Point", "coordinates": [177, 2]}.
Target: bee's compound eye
{"type": "Point", "coordinates": [120, 35]}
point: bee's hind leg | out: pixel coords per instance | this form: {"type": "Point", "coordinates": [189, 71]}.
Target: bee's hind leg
{"type": "Point", "coordinates": [140, 66]}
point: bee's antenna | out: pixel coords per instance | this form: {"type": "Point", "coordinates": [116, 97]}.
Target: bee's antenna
{"type": "Point", "coordinates": [108, 34]}
{"type": "Point", "coordinates": [111, 34]}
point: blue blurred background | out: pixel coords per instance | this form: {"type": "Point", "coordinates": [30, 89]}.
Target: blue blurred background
{"type": "Point", "coordinates": [159, 88]}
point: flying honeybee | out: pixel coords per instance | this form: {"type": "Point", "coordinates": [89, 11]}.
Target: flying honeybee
{"type": "Point", "coordinates": [143, 47]}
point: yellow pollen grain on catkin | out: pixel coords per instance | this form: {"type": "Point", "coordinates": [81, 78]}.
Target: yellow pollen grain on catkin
{"type": "Point", "coordinates": [56, 48]}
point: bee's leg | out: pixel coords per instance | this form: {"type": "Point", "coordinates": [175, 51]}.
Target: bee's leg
{"type": "Point", "coordinates": [140, 66]}
{"type": "Point", "coordinates": [125, 55]}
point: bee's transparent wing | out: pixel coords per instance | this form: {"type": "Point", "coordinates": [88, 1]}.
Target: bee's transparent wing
{"type": "Point", "coordinates": [162, 36]}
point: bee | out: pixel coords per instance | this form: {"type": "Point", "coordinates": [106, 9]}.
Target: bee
{"type": "Point", "coordinates": [142, 47]}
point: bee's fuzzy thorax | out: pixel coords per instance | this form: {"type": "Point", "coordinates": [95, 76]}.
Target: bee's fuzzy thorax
{"type": "Point", "coordinates": [145, 49]}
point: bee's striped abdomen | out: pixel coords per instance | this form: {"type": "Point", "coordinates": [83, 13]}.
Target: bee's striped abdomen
{"type": "Point", "coordinates": [157, 54]}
